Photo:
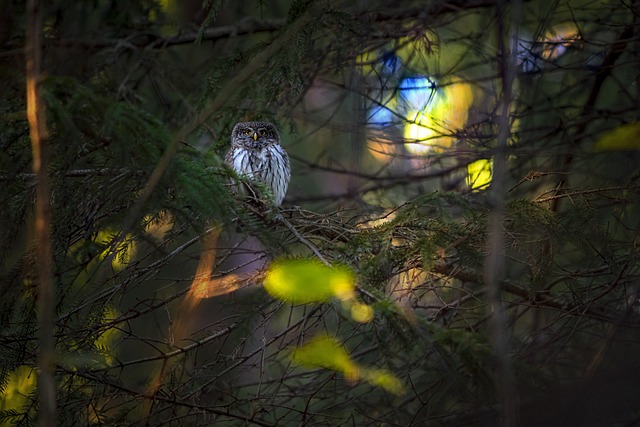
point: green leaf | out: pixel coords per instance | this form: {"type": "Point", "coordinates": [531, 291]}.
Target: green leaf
{"type": "Point", "coordinates": [326, 352]}
{"type": "Point", "coordinates": [302, 281]}
{"type": "Point", "coordinates": [384, 379]}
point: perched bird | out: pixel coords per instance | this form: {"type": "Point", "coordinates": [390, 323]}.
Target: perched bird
{"type": "Point", "coordinates": [256, 153]}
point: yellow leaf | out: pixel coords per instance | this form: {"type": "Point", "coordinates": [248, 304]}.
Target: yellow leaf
{"type": "Point", "coordinates": [326, 352]}
{"type": "Point", "coordinates": [302, 281]}
{"type": "Point", "coordinates": [362, 313]}
{"type": "Point", "coordinates": [384, 379]}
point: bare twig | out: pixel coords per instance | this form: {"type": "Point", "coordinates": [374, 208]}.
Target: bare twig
{"type": "Point", "coordinates": [617, 49]}
{"type": "Point", "coordinates": [582, 193]}
{"type": "Point", "coordinates": [172, 400]}
{"type": "Point", "coordinates": [77, 173]}
{"type": "Point", "coordinates": [304, 241]}
{"type": "Point", "coordinates": [248, 26]}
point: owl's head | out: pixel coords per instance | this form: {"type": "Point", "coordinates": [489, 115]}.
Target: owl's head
{"type": "Point", "coordinates": [254, 135]}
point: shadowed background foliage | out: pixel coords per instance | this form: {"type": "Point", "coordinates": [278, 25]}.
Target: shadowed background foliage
{"type": "Point", "coordinates": [459, 244]}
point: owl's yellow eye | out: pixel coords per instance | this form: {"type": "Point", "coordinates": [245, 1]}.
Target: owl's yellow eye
{"type": "Point", "coordinates": [247, 132]}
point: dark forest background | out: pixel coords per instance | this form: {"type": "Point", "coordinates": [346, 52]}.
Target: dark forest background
{"type": "Point", "coordinates": [459, 245]}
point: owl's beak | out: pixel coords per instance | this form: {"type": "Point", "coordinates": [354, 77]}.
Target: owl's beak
{"type": "Point", "coordinates": [255, 136]}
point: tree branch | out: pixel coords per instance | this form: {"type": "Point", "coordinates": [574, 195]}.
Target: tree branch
{"type": "Point", "coordinates": [38, 134]}
{"type": "Point", "coordinates": [245, 27]}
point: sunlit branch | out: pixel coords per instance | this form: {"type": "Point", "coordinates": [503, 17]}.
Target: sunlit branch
{"type": "Point", "coordinates": [46, 293]}
{"type": "Point", "coordinates": [180, 328]}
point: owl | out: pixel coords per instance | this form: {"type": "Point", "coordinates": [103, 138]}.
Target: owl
{"type": "Point", "coordinates": [256, 153]}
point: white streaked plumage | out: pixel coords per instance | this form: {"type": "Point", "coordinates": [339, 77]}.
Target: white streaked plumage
{"type": "Point", "coordinates": [256, 152]}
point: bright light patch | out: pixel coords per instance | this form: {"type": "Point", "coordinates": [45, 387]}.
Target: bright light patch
{"type": "Point", "coordinates": [380, 116]}
{"type": "Point", "coordinates": [384, 379]}
{"type": "Point", "coordinates": [361, 313]}
{"type": "Point", "coordinates": [479, 174]}
{"type": "Point", "coordinates": [302, 281]}
{"type": "Point", "coordinates": [418, 136]}
{"type": "Point", "coordinates": [104, 342]}
{"type": "Point", "coordinates": [123, 251]}
{"type": "Point", "coordinates": [378, 62]}
{"type": "Point", "coordinates": [622, 138]}
{"type": "Point", "coordinates": [432, 112]}
{"type": "Point", "coordinates": [438, 115]}
{"type": "Point", "coordinates": [19, 386]}
{"type": "Point", "coordinates": [416, 94]}
{"type": "Point", "coordinates": [328, 353]}
{"type": "Point", "coordinates": [558, 39]}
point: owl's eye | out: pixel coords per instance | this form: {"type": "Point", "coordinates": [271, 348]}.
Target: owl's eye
{"type": "Point", "coordinates": [263, 132]}
{"type": "Point", "coordinates": [247, 132]}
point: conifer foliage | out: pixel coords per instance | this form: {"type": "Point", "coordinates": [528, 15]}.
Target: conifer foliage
{"type": "Point", "coordinates": [460, 243]}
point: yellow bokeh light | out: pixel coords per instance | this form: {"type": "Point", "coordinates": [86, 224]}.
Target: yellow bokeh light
{"type": "Point", "coordinates": [21, 382]}
{"type": "Point", "coordinates": [123, 251]}
{"type": "Point", "coordinates": [104, 246]}
{"type": "Point", "coordinates": [302, 281]}
{"type": "Point", "coordinates": [327, 352]}
{"type": "Point", "coordinates": [433, 128]}
{"type": "Point", "coordinates": [361, 313]}
{"type": "Point", "coordinates": [342, 287]}
{"type": "Point", "coordinates": [558, 39]}
{"type": "Point", "coordinates": [384, 379]}
{"type": "Point", "coordinates": [479, 174]}
{"type": "Point", "coordinates": [419, 136]}
{"type": "Point", "coordinates": [419, 49]}
{"type": "Point", "coordinates": [104, 343]}
{"type": "Point", "coordinates": [621, 138]}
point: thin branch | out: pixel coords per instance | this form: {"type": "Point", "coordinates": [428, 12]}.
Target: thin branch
{"type": "Point", "coordinates": [174, 401]}
{"type": "Point", "coordinates": [246, 27]}
{"type": "Point", "coordinates": [76, 173]}
{"type": "Point", "coordinates": [617, 49]}
{"type": "Point", "coordinates": [304, 241]}
{"type": "Point", "coordinates": [541, 199]}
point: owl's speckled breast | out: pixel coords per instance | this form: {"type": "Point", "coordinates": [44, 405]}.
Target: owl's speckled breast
{"type": "Point", "coordinates": [256, 153]}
